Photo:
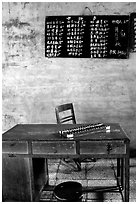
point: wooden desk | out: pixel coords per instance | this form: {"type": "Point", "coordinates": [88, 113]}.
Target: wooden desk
{"type": "Point", "coordinates": [27, 147]}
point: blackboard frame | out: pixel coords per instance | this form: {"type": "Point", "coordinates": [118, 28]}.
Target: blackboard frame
{"type": "Point", "coordinates": [132, 41]}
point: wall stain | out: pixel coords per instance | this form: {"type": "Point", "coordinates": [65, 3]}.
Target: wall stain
{"type": "Point", "coordinates": [15, 23]}
{"type": "Point", "coordinates": [25, 4]}
{"type": "Point", "coordinates": [6, 65]}
{"type": "Point", "coordinates": [14, 55]}
{"type": "Point", "coordinates": [9, 118]}
{"type": "Point", "coordinates": [31, 35]}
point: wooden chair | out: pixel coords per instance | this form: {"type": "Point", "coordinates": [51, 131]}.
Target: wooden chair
{"type": "Point", "coordinates": [70, 116]}
{"type": "Point", "coordinates": [65, 114]}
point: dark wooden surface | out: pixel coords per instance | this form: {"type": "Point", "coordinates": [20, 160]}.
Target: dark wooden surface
{"type": "Point", "coordinates": [23, 178]}
{"type": "Point", "coordinates": [16, 179]}
{"type": "Point", "coordinates": [30, 132]}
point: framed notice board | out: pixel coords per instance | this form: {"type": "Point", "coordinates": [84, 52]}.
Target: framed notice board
{"type": "Point", "coordinates": [100, 36]}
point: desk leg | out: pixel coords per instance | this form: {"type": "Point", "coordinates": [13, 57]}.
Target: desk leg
{"type": "Point", "coordinates": [46, 171]}
{"type": "Point", "coordinates": [122, 173]}
{"type": "Point", "coordinates": [118, 167]}
{"type": "Point", "coordinates": [126, 190]}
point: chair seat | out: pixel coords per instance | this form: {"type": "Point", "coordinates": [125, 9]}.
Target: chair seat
{"type": "Point", "coordinates": [68, 191]}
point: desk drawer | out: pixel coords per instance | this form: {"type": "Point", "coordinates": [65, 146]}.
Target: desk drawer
{"type": "Point", "coordinates": [105, 147]}
{"type": "Point", "coordinates": [59, 147]}
{"type": "Point", "coordinates": [14, 147]}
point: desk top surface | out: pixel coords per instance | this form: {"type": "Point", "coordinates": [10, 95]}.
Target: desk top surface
{"type": "Point", "coordinates": [49, 132]}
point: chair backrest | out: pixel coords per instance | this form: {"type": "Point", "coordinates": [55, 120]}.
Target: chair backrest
{"type": "Point", "coordinates": [65, 113]}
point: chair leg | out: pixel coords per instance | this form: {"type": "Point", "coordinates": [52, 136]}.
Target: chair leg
{"type": "Point", "coordinates": [78, 163]}
{"type": "Point", "coordinates": [67, 164]}
{"type": "Point", "coordinates": [89, 160]}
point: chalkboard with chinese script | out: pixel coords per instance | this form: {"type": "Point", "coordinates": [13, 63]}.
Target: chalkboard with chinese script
{"type": "Point", "coordinates": [87, 36]}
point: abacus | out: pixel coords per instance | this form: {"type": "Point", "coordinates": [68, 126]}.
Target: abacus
{"type": "Point", "coordinates": [79, 131]}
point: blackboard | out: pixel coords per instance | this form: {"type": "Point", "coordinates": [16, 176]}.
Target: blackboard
{"type": "Point", "coordinates": [100, 36]}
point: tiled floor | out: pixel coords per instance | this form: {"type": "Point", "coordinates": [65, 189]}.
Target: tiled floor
{"type": "Point", "coordinates": [99, 173]}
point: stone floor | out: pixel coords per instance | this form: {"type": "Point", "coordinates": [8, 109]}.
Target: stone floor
{"type": "Point", "coordinates": [99, 173]}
